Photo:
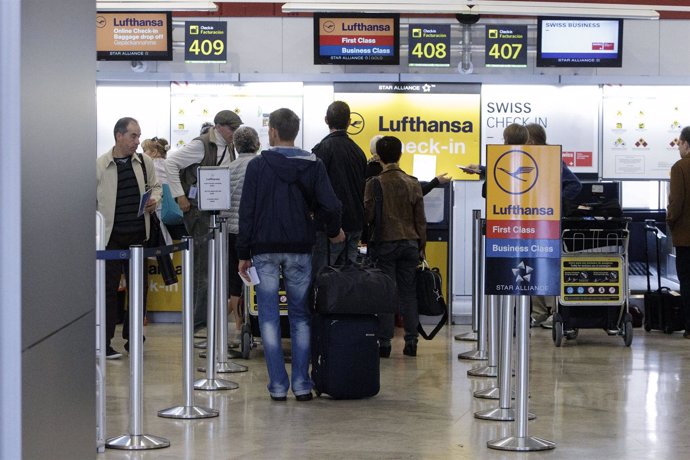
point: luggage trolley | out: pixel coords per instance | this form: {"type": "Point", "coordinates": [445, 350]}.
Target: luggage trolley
{"type": "Point", "coordinates": [594, 279]}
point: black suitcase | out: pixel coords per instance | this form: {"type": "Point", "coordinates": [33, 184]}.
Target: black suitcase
{"type": "Point", "coordinates": [345, 356]}
{"type": "Point", "coordinates": [662, 307]}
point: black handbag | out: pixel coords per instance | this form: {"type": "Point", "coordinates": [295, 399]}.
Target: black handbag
{"type": "Point", "coordinates": [430, 301]}
{"type": "Point", "coordinates": [354, 289]}
{"type": "Point", "coordinates": [156, 240]}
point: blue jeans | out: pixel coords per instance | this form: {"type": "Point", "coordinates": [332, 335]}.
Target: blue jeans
{"type": "Point", "coordinates": [296, 271]}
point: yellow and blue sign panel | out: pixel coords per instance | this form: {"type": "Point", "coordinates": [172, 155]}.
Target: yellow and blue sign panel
{"type": "Point", "coordinates": [523, 220]}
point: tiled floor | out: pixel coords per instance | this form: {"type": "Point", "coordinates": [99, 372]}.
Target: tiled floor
{"type": "Point", "coordinates": [593, 397]}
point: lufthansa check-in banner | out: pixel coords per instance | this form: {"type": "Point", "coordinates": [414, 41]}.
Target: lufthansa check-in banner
{"type": "Point", "coordinates": [523, 220]}
{"type": "Point", "coordinates": [438, 124]}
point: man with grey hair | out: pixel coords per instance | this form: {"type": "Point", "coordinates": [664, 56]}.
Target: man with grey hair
{"type": "Point", "coordinates": [214, 148]}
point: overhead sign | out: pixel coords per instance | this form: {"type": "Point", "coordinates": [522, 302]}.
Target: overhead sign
{"type": "Point", "coordinates": [429, 45]}
{"type": "Point", "coordinates": [204, 41]}
{"type": "Point", "coordinates": [506, 46]}
{"type": "Point", "coordinates": [523, 220]}
{"type": "Point", "coordinates": [134, 36]}
{"type": "Point", "coordinates": [356, 39]}
{"type": "Point", "coordinates": [437, 123]}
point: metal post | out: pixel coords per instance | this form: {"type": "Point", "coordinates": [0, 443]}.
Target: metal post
{"type": "Point", "coordinates": [503, 391]}
{"type": "Point", "coordinates": [477, 275]}
{"type": "Point", "coordinates": [522, 442]}
{"type": "Point", "coordinates": [100, 335]}
{"type": "Point", "coordinates": [480, 352]}
{"type": "Point", "coordinates": [223, 365]}
{"type": "Point", "coordinates": [211, 382]}
{"type": "Point", "coordinates": [491, 369]}
{"type": "Point", "coordinates": [135, 440]}
{"type": "Point", "coordinates": [188, 410]}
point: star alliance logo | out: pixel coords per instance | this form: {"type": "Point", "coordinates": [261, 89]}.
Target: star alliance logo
{"type": "Point", "coordinates": [523, 272]}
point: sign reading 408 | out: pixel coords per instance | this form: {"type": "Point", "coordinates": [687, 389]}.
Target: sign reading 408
{"type": "Point", "coordinates": [205, 41]}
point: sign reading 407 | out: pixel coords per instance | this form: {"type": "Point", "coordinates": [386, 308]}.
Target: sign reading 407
{"type": "Point", "coordinates": [204, 41]}
{"type": "Point", "coordinates": [506, 46]}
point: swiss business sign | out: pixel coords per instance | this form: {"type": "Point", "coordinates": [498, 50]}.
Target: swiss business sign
{"type": "Point", "coordinates": [356, 39]}
{"type": "Point", "coordinates": [523, 220]}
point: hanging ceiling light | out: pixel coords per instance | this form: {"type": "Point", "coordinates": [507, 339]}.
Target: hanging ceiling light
{"type": "Point", "coordinates": [166, 5]}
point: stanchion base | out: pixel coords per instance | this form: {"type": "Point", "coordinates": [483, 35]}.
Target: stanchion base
{"type": "Point", "coordinates": [467, 337]}
{"type": "Point", "coordinates": [136, 442]}
{"type": "Point", "coordinates": [484, 371]}
{"type": "Point", "coordinates": [229, 367]}
{"type": "Point", "coordinates": [188, 412]}
{"type": "Point", "coordinates": [488, 393]}
{"type": "Point", "coordinates": [201, 344]}
{"type": "Point", "coordinates": [497, 414]}
{"type": "Point", "coordinates": [526, 444]}
{"type": "Point", "coordinates": [478, 355]}
{"type": "Point", "coordinates": [215, 385]}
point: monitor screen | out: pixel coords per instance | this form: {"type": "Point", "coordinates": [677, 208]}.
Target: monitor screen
{"type": "Point", "coordinates": [356, 39]}
{"type": "Point", "coordinates": [579, 42]}
{"type": "Point", "coordinates": [134, 36]}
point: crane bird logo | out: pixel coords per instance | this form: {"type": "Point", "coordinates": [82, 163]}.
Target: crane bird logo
{"type": "Point", "coordinates": [516, 172]}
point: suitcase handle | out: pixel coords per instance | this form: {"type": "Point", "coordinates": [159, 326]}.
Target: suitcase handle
{"type": "Point", "coordinates": [650, 227]}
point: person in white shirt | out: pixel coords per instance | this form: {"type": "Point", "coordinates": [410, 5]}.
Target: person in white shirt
{"type": "Point", "coordinates": [214, 148]}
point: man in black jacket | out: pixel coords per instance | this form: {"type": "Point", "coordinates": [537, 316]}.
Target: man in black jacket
{"type": "Point", "coordinates": [346, 165]}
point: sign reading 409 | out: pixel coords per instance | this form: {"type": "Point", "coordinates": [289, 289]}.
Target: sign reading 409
{"type": "Point", "coordinates": [205, 41]}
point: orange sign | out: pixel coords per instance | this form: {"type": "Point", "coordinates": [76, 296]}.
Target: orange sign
{"type": "Point", "coordinates": [128, 36]}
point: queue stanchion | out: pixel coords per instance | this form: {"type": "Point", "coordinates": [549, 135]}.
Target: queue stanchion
{"type": "Point", "coordinates": [188, 410]}
{"type": "Point", "coordinates": [223, 365]}
{"type": "Point", "coordinates": [504, 412]}
{"type": "Point", "coordinates": [521, 442]}
{"type": "Point", "coordinates": [480, 352]}
{"type": "Point", "coordinates": [135, 439]}
{"type": "Point", "coordinates": [211, 382]}
{"type": "Point", "coordinates": [477, 275]}
{"type": "Point", "coordinates": [100, 335]}
{"type": "Point", "coordinates": [491, 369]}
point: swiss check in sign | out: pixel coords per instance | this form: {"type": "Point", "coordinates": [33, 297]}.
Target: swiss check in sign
{"type": "Point", "coordinates": [523, 220]}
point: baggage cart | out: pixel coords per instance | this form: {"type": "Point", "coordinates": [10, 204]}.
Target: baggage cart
{"type": "Point", "coordinates": [594, 279]}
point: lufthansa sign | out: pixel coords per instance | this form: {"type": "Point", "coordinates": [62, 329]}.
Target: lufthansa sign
{"type": "Point", "coordinates": [523, 201]}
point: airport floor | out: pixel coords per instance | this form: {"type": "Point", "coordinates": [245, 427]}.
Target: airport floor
{"type": "Point", "coordinates": [593, 397]}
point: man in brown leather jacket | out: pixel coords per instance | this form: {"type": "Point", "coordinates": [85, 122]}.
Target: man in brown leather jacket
{"type": "Point", "coordinates": [399, 241]}
{"type": "Point", "coordinates": [678, 219]}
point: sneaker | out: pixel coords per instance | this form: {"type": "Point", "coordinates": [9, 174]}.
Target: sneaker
{"type": "Point", "coordinates": [110, 353]}
{"type": "Point", "coordinates": [304, 397]}
{"type": "Point", "coordinates": [548, 323]}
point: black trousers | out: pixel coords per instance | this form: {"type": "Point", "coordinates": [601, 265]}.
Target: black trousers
{"type": "Point", "coordinates": [113, 271]}
{"type": "Point", "coordinates": [683, 271]}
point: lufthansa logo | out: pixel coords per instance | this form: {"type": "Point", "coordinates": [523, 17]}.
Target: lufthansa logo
{"type": "Point", "coordinates": [328, 26]}
{"type": "Point", "coordinates": [516, 172]}
{"type": "Point", "coordinates": [356, 124]}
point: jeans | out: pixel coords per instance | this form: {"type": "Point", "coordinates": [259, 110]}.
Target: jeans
{"type": "Point", "coordinates": [197, 224]}
{"type": "Point", "coordinates": [399, 260]}
{"type": "Point", "coordinates": [340, 252]}
{"type": "Point", "coordinates": [296, 272]}
{"type": "Point", "coordinates": [683, 271]}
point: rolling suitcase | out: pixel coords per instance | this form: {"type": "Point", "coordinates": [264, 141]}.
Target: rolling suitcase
{"type": "Point", "coordinates": [662, 307]}
{"type": "Point", "coordinates": [345, 356]}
